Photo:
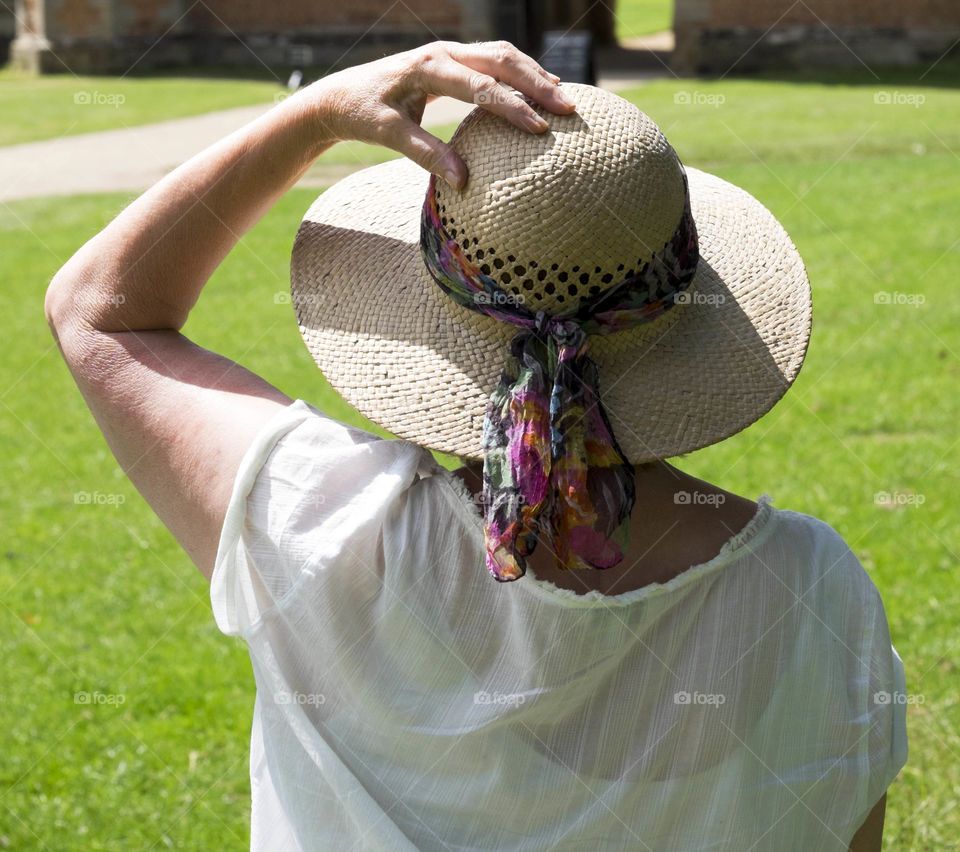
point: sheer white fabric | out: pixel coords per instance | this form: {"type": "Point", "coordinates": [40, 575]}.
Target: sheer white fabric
{"type": "Point", "coordinates": [407, 700]}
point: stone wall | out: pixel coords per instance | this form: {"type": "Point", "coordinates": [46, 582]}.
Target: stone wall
{"type": "Point", "coordinates": [741, 36]}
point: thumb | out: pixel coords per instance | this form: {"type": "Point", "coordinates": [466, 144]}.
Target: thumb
{"type": "Point", "coordinates": [432, 154]}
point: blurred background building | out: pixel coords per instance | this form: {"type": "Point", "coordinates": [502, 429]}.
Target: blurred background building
{"type": "Point", "coordinates": [108, 36]}
{"type": "Point", "coordinates": [715, 36]}
{"type": "Point", "coordinates": [709, 36]}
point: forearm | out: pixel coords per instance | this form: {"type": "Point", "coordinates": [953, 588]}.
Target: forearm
{"type": "Point", "coordinates": [146, 269]}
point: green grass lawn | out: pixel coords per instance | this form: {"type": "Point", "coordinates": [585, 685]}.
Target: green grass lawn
{"type": "Point", "coordinates": [63, 105]}
{"type": "Point", "coordinates": [642, 17]}
{"type": "Point", "coordinates": [98, 598]}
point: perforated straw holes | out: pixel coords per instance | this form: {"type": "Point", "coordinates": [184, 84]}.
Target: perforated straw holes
{"type": "Point", "coordinates": [540, 286]}
{"type": "Point", "coordinates": [535, 216]}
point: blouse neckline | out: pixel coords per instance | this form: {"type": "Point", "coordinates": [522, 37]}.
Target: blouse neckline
{"type": "Point", "coordinates": [751, 536]}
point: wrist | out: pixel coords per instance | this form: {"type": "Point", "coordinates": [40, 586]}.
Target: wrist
{"type": "Point", "coordinates": [308, 116]}
{"type": "Point", "coordinates": [321, 105]}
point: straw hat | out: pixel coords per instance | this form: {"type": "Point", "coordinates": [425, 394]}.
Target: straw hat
{"type": "Point", "coordinates": [553, 218]}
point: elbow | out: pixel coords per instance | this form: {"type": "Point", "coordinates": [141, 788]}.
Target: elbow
{"type": "Point", "coordinates": [67, 300]}
{"type": "Point", "coordinates": [54, 308]}
{"type": "Point", "coordinates": [61, 310]}
{"type": "Point", "coordinates": [70, 296]}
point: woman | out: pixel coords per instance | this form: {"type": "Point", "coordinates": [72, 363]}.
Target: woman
{"type": "Point", "coordinates": [568, 642]}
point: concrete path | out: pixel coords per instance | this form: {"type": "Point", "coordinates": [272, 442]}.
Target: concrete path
{"type": "Point", "coordinates": [133, 158]}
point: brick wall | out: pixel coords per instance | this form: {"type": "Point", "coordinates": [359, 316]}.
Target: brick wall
{"type": "Point", "coordinates": [715, 36]}
{"type": "Point", "coordinates": [78, 19]}
{"type": "Point", "coordinates": [96, 36]}
{"type": "Point", "coordinates": [149, 18]}
{"type": "Point", "coordinates": [95, 18]}
{"type": "Point", "coordinates": [257, 16]}
{"type": "Point", "coordinates": [760, 14]}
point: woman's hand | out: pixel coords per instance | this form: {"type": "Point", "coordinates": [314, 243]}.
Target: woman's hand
{"type": "Point", "coordinates": [382, 102]}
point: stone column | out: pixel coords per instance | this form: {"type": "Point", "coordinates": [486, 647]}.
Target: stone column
{"type": "Point", "coordinates": [29, 42]}
{"type": "Point", "coordinates": [63, 36]}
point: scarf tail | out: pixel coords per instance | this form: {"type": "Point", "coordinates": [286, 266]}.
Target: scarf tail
{"type": "Point", "coordinates": [568, 486]}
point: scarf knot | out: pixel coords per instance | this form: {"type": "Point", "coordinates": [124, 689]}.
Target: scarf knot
{"type": "Point", "coordinates": [567, 332]}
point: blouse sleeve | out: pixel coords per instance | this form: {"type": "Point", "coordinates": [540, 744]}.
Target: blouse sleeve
{"type": "Point", "coordinates": [306, 488]}
{"type": "Point", "coordinates": [877, 693]}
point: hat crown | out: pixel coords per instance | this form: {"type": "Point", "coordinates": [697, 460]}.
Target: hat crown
{"type": "Point", "coordinates": [557, 217]}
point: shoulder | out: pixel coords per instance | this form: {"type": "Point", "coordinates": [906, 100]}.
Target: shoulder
{"type": "Point", "coordinates": [312, 493]}
{"type": "Point", "coordinates": [827, 574]}
{"type": "Point", "coordinates": [805, 553]}
{"type": "Point", "coordinates": [812, 537]}
{"type": "Point", "coordinates": [313, 437]}
{"type": "Point", "coordinates": [310, 460]}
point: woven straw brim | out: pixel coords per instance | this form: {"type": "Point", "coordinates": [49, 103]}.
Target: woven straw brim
{"type": "Point", "coordinates": [399, 350]}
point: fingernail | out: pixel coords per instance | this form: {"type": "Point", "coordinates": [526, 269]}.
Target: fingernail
{"type": "Point", "coordinates": [564, 98]}
{"type": "Point", "coordinates": [451, 177]}
{"type": "Point", "coordinates": [535, 122]}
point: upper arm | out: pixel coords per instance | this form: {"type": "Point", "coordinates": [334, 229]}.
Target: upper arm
{"type": "Point", "coordinates": [869, 837]}
{"type": "Point", "coordinates": [178, 418]}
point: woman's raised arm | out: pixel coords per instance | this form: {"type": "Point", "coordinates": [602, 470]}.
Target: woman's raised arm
{"type": "Point", "coordinates": [177, 417]}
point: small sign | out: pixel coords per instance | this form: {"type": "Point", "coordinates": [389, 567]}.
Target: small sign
{"type": "Point", "coordinates": [569, 55]}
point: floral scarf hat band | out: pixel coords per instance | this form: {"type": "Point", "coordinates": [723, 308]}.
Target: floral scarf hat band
{"type": "Point", "coordinates": [551, 463]}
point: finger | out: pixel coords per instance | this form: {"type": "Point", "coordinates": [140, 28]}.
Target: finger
{"type": "Point", "coordinates": [459, 81]}
{"type": "Point", "coordinates": [430, 153]}
{"type": "Point", "coordinates": [549, 75]}
{"type": "Point", "coordinates": [553, 78]}
{"type": "Point", "coordinates": [502, 61]}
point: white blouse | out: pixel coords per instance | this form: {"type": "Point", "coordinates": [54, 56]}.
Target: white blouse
{"type": "Point", "coordinates": [407, 700]}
